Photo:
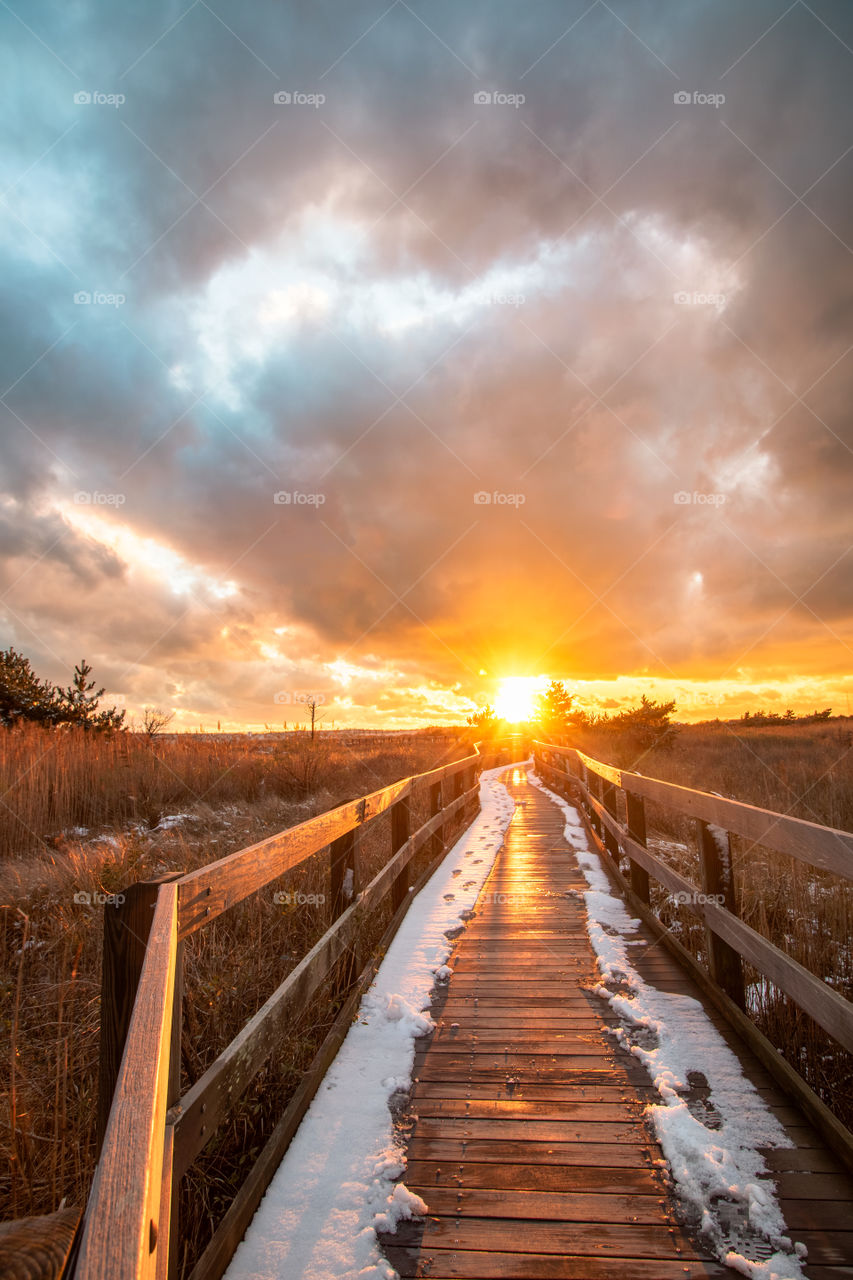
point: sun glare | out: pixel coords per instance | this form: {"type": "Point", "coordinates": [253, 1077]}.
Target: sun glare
{"type": "Point", "coordinates": [516, 697]}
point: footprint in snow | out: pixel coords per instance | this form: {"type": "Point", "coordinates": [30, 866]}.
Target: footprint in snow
{"type": "Point", "coordinates": [448, 897]}
{"type": "Point", "coordinates": [476, 860]}
{"type": "Point", "coordinates": [458, 871]}
{"type": "Point", "coordinates": [469, 884]}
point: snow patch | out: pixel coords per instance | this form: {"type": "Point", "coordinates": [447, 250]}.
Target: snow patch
{"type": "Point", "coordinates": [336, 1186]}
{"type": "Point", "coordinates": [711, 1145]}
{"type": "Point", "coordinates": [173, 820]}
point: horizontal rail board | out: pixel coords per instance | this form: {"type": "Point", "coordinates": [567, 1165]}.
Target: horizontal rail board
{"type": "Point", "coordinates": [219, 1251]}
{"type": "Point", "coordinates": [812, 994]}
{"type": "Point", "coordinates": [208, 1102]}
{"type": "Point", "coordinates": [824, 847]}
{"type": "Point", "coordinates": [206, 893]}
{"type": "Point", "coordinates": [123, 1212]}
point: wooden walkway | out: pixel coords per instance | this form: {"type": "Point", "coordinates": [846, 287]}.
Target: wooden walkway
{"type": "Point", "coordinates": [529, 1143]}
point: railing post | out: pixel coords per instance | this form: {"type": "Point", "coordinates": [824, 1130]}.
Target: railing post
{"type": "Point", "coordinates": [636, 820]}
{"type": "Point", "coordinates": [473, 805]}
{"type": "Point", "coordinates": [593, 786]}
{"type": "Point", "coordinates": [400, 825]}
{"type": "Point", "coordinates": [343, 857]}
{"type": "Point", "coordinates": [608, 799]}
{"type": "Point", "coordinates": [126, 928]}
{"type": "Point", "coordinates": [715, 861]}
{"type": "Point", "coordinates": [436, 841]}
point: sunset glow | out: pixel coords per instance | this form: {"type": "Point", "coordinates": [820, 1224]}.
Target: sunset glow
{"type": "Point", "coordinates": [516, 698]}
{"type": "Point", "coordinates": [507, 353]}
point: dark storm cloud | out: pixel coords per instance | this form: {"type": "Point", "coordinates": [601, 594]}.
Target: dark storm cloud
{"type": "Point", "coordinates": [623, 197]}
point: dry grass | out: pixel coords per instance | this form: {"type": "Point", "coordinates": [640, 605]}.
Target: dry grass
{"type": "Point", "coordinates": [51, 944]}
{"type": "Point", "coordinates": [806, 771]}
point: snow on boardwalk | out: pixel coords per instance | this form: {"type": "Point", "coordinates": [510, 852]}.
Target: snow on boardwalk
{"type": "Point", "coordinates": [562, 1057]}
{"type": "Point", "coordinates": [316, 1220]}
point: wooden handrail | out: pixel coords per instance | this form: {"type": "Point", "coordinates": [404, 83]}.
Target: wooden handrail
{"type": "Point", "coordinates": [729, 940]}
{"type": "Point", "coordinates": [125, 1232]}
{"type": "Point", "coordinates": [126, 1227]}
{"type": "Point", "coordinates": [824, 847]}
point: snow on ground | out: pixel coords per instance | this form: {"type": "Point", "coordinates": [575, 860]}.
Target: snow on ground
{"type": "Point", "coordinates": [336, 1185]}
{"type": "Point", "coordinates": [713, 1155]}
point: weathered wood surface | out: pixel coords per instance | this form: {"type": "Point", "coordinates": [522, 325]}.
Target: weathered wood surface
{"type": "Point", "coordinates": [206, 893]}
{"type": "Point", "coordinates": [209, 1101]}
{"type": "Point", "coordinates": [733, 938]}
{"type": "Point", "coordinates": [37, 1248]}
{"type": "Point", "coordinates": [214, 1261]}
{"type": "Point", "coordinates": [123, 1233]}
{"type": "Point", "coordinates": [819, 846]}
{"type": "Point", "coordinates": [530, 1144]}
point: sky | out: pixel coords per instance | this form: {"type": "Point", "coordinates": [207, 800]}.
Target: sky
{"type": "Point", "coordinates": [384, 351]}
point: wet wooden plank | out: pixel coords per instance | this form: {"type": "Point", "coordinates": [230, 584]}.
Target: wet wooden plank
{"type": "Point", "coordinates": [497, 1176]}
{"type": "Point", "coordinates": [455, 1264]}
{"type": "Point", "coordinates": [598, 1239]}
{"type": "Point", "coordinates": [599, 1155]}
{"type": "Point", "coordinates": [541, 1206]}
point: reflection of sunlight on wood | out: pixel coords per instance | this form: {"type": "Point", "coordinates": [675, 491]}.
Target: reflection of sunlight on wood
{"type": "Point", "coordinates": [516, 697]}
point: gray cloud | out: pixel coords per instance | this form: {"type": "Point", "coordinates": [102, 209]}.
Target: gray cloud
{"type": "Point", "coordinates": [267, 331]}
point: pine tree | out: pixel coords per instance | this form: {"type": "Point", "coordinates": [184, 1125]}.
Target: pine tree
{"type": "Point", "coordinates": [485, 719]}
{"type": "Point", "coordinates": [23, 696]}
{"type": "Point", "coordinates": [80, 704]}
{"type": "Point", "coordinates": [554, 710]}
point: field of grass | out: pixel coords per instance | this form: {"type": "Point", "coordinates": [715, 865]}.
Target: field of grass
{"type": "Point", "coordinates": [82, 816]}
{"type": "Point", "coordinates": [802, 770]}
{"type": "Point", "coordinates": [89, 816]}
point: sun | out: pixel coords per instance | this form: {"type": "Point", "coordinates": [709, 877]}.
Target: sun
{"type": "Point", "coordinates": [516, 697]}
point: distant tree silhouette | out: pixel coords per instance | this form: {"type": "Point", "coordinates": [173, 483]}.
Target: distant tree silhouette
{"type": "Point", "coordinates": [555, 710]}
{"type": "Point", "coordinates": [648, 725]}
{"type": "Point", "coordinates": [154, 720]}
{"type": "Point", "coordinates": [485, 719]}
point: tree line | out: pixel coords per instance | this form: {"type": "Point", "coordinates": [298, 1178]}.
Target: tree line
{"type": "Point", "coordinates": [24, 696]}
{"type": "Point", "coordinates": [558, 713]}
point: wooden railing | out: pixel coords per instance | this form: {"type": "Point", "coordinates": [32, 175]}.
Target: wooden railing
{"type": "Point", "coordinates": [613, 801]}
{"type": "Point", "coordinates": [150, 1134]}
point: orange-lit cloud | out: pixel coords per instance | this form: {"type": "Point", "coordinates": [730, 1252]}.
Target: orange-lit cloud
{"type": "Point", "coordinates": [424, 387]}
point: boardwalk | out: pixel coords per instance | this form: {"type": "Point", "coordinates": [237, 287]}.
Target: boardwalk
{"type": "Point", "coordinates": [529, 1143]}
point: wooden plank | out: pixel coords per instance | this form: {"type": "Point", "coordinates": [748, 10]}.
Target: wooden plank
{"type": "Point", "coordinates": [496, 1176]}
{"type": "Point", "coordinates": [599, 1155]}
{"type": "Point", "coordinates": [207, 892]}
{"type": "Point", "coordinates": [598, 1239]}
{"type": "Point", "coordinates": [122, 1215]}
{"type": "Point", "coordinates": [430, 1090]}
{"type": "Point", "coordinates": [204, 894]}
{"type": "Point", "coordinates": [467, 1264]}
{"type": "Point", "coordinates": [532, 1132]}
{"type": "Point", "coordinates": [126, 926]}
{"type": "Point", "coordinates": [540, 1206]}
{"type": "Point", "coordinates": [512, 1108]}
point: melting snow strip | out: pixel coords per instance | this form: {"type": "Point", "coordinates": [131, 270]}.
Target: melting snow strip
{"type": "Point", "coordinates": [336, 1186]}
{"type": "Point", "coordinates": [713, 1156]}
